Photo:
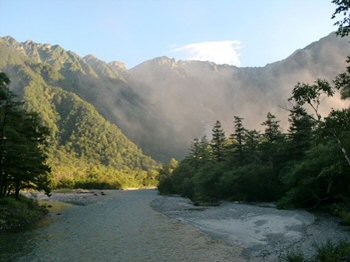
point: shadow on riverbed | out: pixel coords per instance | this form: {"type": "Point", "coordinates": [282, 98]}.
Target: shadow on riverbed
{"type": "Point", "coordinates": [20, 243]}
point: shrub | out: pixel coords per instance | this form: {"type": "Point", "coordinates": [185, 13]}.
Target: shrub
{"type": "Point", "coordinates": [16, 214]}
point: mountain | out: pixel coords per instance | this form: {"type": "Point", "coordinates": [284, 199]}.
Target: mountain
{"type": "Point", "coordinates": [162, 104]}
{"type": "Point", "coordinates": [86, 148]}
{"type": "Point", "coordinates": [193, 95]}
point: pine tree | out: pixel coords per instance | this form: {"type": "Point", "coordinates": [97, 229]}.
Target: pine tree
{"type": "Point", "coordinates": [22, 159]}
{"type": "Point", "coordinates": [300, 132]}
{"type": "Point", "coordinates": [218, 142]}
{"type": "Point", "coordinates": [199, 154]}
{"type": "Point", "coordinates": [239, 139]}
{"type": "Point", "coordinates": [272, 130]}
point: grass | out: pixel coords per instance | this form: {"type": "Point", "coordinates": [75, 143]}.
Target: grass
{"type": "Point", "coordinates": [342, 211]}
{"type": "Point", "coordinates": [328, 252]}
{"type": "Point", "coordinates": [17, 214]}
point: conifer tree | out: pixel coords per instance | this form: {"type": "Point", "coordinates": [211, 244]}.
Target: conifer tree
{"type": "Point", "coordinates": [239, 139]}
{"type": "Point", "coordinates": [272, 130]}
{"type": "Point", "coordinates": [218, 142]}
{"type": "Point", "coordinates": [300, 132]}
{"type": "Point", "coordinates": [22, 159]}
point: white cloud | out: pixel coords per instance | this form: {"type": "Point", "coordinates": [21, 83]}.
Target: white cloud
{"type": "Point", "coordinates": [219, 52]}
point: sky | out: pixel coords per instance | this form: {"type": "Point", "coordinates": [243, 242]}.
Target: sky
{"type": "Point", "coordinates": [236, 32]}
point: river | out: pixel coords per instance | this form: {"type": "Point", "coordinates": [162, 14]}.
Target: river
{"type": "Point", "coordinates": [121, 227]}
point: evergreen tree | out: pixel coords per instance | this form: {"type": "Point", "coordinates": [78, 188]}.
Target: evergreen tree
{"type": "Point", "coordinates": [199, 152]}
{"type": "Point", "coordinates": [300, 132]}
{"type": "Point", "coordinates": [272, 147]}
{"type": "Point", "coordinates": [218, 142]}
{"type": "Point", "coordinates": [21, 146]}
{"type": "Point", "coordinates": [272, 130]}
{"type": "Point", "coordinates": [239, 139]}
{"type": "Point", "coordinates": [253, 138]}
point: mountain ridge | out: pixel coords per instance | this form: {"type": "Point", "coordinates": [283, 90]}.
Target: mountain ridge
{"type": "Point", "coordinates": [162, 104]}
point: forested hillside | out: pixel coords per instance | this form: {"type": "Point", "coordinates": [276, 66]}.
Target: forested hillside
{"type": "Point", "coordinates": [86, 150]}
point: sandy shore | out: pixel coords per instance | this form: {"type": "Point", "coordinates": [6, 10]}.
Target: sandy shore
{"type": "Point", "coordinates": [265, 233]}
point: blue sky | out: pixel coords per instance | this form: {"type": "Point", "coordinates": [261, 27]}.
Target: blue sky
{"type": "Point", "coordinates": [239, 32]}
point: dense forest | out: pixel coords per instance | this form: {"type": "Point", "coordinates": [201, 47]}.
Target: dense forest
{"type": "Point", "coordinates": [83, 148]}
{"type": "Point", "coordinates": [307, 166]}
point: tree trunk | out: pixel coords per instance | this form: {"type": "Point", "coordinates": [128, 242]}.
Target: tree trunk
{"type": "Point", "coordinates": [17, 189]}
{"type": "Point", "coordinates": [342, 148]}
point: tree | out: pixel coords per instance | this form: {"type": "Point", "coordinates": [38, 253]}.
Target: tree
{"type": "Point", "coordinates": [342, 82]}
{"type": "Point", "coordinates": [21, 147]}
{"type": "Point", "coordinates": [199, 151]}
{"type": "Point", "coordinates": [300, 132]}
{"type": "Point", "coordinates": [272, 130]}
{"type": "Point", "coordinates": [344, 23]}
{"type": "Point", "coordinates": [305, 94]}
{"type": "Point", "coordinates": [218, 142]}
{"type": "Point", "coordinates": [253, 138]}
{"type": "Point", "coordinates": [239, 139]}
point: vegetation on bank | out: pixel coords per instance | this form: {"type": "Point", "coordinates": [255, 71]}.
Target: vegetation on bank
{"type": "Point", "coordinates": [23, 140]}
{"type": "Point", "coordinates": [328, 252]}
{"type": "Point", "coordinates": [308, 166]}
{"type": "Point", "coordinates": [16, 214]}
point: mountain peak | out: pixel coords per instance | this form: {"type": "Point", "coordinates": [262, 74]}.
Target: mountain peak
{"type": "Point", "coordinates": [117, 65]}
{"type": "Point", "coordinates": [91, 58]}
{"type": "Point", "coordinates": [9, 39]}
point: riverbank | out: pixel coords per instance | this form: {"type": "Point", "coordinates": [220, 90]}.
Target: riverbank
{"type": "Point", "coordinates": [80, 197]}
{"type": "Point", "coordinates": [18, 214]}
{"type": "Point", "coordinates": [263, 232]}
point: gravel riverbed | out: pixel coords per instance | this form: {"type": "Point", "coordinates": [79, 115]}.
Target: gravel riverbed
{"type": "Point", "coordinates": [264, 233]}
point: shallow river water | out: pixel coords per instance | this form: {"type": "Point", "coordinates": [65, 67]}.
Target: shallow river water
{"type": "Point", "coordinates": [122, 227]}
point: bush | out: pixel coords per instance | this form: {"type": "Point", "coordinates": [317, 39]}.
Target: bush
{"type": "Point", "coordinates": [333, 252]}
{"type": "Point", "coordinates": [295, 257]}
{"type": "Point", "coordinates": [342, 211]}
{"type": "Point", "coordinates": [328, 252]}
{"type": "Point", "coordinates": [251, 183]}
{"type": "Point", "coordinates": [16, 214]}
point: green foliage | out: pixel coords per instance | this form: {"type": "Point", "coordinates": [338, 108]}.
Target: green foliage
{"type": "Point", "coordinates": [342, 211]}
{"type": "Point", "coordinates": [165, 185]}
{"type": "Point", "coordinates": [328, 252]}
{"type": "Point", "coordinates": [16, 214]}
{"type": "Point", "coordinates": [295, 257]}
{"type": "Point", "coordinates": [22, 143]}
{"type": "Point", "coordinates": [331, 252]}
{"type": "Point", "coordinates": [342, 82]}
{"type": "Point", "coordinates": [343, 10]}
{"type": "Point", "coordinates": [250, 183]}
{"type": "Point", "coordinates": [218, 142]}
{"type": "Point", "coordinates": [55, 84]}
